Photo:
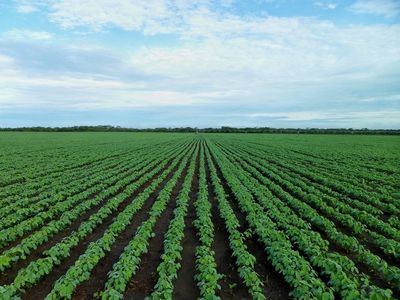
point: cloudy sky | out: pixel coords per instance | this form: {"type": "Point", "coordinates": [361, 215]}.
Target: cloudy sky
{"type": "Point", "coordinates": [280, 63]}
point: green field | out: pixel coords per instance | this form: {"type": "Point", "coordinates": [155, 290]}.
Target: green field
{"type": "Point", "coordinates": [199, 216]}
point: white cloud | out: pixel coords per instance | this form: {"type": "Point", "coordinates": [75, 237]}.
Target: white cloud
{"type": "Point", "coordinates": [273, 62]}
{"type": "Point", "coordinates": [21, 34]}
{"type": "Point", "coordinates": [385, 8]}
{"type": "Point", "coordinates": [222, 60]}
{"type": "Point", "coordinates": [96, 14]}
{"type": "Point", "coordinates": [5, 60]}
{"type": "Point", "coordinates": [284, 51]}
{"type": "Point", "coordinates": [150, 17]}
{"type": "Point", "coordinates": [125, 14]}
{"type": "Point", "coordinates": [327, 115]}
{"type": "Point", "coordinates": [30, 6]}
{"type": "Point", "coordinates": [326, 5]}
{"type": "Point", "coordinates": [26, 9]}
{"type": "Point", "coordinates": [85, 92]}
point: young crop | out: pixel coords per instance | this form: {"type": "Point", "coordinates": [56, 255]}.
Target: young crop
{"type": "Point", "coordinates": [170, 259]}
{"type": "Point", "coordinates": [296, 216]}
{"type": "Point", "coordinates": [344, 276]}
{"type": "Point", "coordinates": [37, 269]}
{"type": "Point", "coordinates": [129, 260]}
{"type": "Point", "coordinates": [207, 276]}
{"type": "Point", "coordinates": [295, 268]}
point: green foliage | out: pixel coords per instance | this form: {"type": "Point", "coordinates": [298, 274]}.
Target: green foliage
{"type": "Point", "coordinates": [324, 209]}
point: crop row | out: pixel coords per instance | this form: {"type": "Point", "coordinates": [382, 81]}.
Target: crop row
{"type": "Point", "coordinates": [342, 273]}
{"type": "Point", "coordinates": [37, 269]}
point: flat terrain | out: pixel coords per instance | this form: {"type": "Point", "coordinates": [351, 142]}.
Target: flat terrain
{"type": "Point", "coordinates": [188, 216]}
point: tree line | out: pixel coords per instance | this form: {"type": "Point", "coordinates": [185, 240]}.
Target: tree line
{"type": "Point", "coordinates": [223, 129]}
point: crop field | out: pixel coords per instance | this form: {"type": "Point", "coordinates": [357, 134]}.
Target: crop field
{"type": "Point", "coordinates": [199, 216]}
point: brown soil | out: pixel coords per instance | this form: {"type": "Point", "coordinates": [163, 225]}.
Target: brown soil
{"type": "Point", "coordinates": [374, 277]}
{"type": "Point", "coordinates": [66, 185]}
{"type": "Point", "coordinates": [232, 286]}
{"type": "Point", "coordinates": [28, 233]}
{"type": "Point", "coordinates": [142, 283]}
{"type": "Point", "coordinates": [8, 275]}
{"type": "Point", "coordinates": [99, 274]}
{"type": "Point", "coordinates": [275, 286]}
{"type": "Point", "coordinates": [185, 286]}
{"type": "Point", "coordinates": [40, 290]}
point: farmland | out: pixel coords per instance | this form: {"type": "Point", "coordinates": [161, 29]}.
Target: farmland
{"type": "Point", "coordinates": [189, 216]}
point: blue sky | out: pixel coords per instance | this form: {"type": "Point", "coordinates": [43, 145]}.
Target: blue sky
{"type": "Point", "coordinates": [279, 63]}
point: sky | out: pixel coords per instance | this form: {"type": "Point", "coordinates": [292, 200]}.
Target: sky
{"type": "Point", "coordinates": [200, 63]}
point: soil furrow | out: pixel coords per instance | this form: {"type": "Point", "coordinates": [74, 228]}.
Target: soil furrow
{"type": "Point", "coordinates": [232, 286]}
{"type": "Point", "coordinates": [364, 239]}
{"type": "Point", "coordinates": [98, 277]}
{"type": "Point", "coordinates": [40, 290]}
{"type": "Point", "coordinates": [8, 275]}
{"type": "Point", "coordinates": [275, 286]}
{"type": "Point", "coordinates": [375, 279]}
{"type": "Point", "coordinates": [185, 286]}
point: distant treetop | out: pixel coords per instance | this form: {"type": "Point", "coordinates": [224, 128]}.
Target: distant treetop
{"type": "Point", "coordinates": [223, 129]}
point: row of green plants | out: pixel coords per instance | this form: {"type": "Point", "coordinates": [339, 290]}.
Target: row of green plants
{"type": "Point", "coordinates": [41, 168]}
{"type": "Point", "coordinates": [138, 175]}
{"type": "Point", "coordinates": [46, 186]}
{"type": "Point", "coordinates": [12, 233]}
{"type": "Point", "coordinates": [350, 244]}
{"type": "Point", "coordinates": [296, 270]}
{"type": "Point", "coordinates": [35, 271]}
{"type": "Point", "coordinates": [295, 167]}
{"type": "Point", "coordinates": [129, 260]}
{"type": "Point", "coordinates": [360, 188]}
{"type": "Point", "coordinates": [172, 255]}
{"type": "Point", "coordinates": [341, 271]}
{"type": "Point", "coordinates": [351, 169]}
{"type": "Point", "coordinates": [207, 276]}
{"type": "Point", "coordinates": [341, 150]}
{"type": "Point", "coordinates": [357, 221]}
{"type": "Point", "coordinates": [287, 163]}
{"type": "Point", "coordinates": [245, 261]}
{"type": "Point", "coordinates": [81, 270]}
{"type": "Point", "coordinates": [337, 185]}
{"type": "Point", "coordinates": [388, 246]}
{"type": "Point", "coordinates": [356, 176]}
{"type": "Point", "coordinates": [365, 168]}
{"type": "Point", "coordinates": [34, 165]}
{"type": "Point", "coordinates": [23, 209]}
{"type": "Point", "coordinates": [51, 161]}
